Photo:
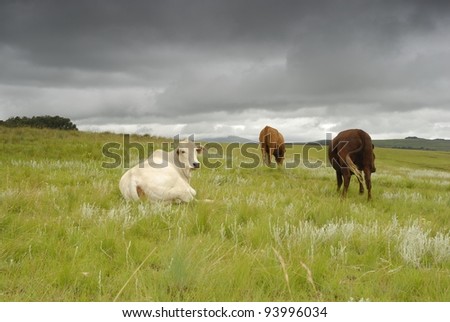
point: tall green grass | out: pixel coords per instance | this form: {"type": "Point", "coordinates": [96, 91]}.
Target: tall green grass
{"type": "Point", "coordinates": [258, 234]}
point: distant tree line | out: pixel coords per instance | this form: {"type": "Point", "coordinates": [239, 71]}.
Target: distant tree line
{"type": "Point", "coordinates": [46, 121]}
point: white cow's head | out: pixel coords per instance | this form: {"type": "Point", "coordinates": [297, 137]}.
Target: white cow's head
{"type": "Point", "coordinates": [186, 155]}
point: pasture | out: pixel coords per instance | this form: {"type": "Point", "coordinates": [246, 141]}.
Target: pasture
{"type": "Point", "coordinates": [258, 234]}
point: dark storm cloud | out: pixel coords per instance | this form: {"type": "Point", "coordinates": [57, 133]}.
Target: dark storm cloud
{"type": "Point", "coordinates": [367, 48]}
{"type": "Point", "coordinates": [351, 52]}
{"type": "Point", "coordinates": [88, 34]}
{"type": "Point", "coordinates": [173, 60]}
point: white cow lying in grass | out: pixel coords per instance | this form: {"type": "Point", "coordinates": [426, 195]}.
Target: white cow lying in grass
{"type": "Point", "coordinates": [163, 176]}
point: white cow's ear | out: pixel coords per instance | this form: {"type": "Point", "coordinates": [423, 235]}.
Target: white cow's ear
{"type": "Point", "coordinates": [200, 149]}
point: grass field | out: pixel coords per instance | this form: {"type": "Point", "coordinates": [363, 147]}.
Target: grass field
{"type": "Point", "coordinates": [66, 234]}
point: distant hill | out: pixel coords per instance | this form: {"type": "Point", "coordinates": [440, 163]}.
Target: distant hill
{"type": "Point", "coordinates": [414, 143]}
{"type": "Point", "coordinates": [409, 143]}
{"type": "Point", "coordinates": [229, 139]}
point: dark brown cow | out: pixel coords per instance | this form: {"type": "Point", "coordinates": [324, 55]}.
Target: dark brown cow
{"type": "Point", "coordinates": [272, 143]}
{"type": "Point", "coordinates": [351, 152]}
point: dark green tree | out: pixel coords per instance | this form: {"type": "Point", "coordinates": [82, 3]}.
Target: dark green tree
{"type": "Point", "coordinates": [46, 121]}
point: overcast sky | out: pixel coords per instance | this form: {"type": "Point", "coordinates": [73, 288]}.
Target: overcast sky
{"type": "Point", "coordinates": [217, 68]}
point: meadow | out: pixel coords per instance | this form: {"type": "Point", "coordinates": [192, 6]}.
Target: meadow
{"type": "Point", "coordinates": [253, 234]}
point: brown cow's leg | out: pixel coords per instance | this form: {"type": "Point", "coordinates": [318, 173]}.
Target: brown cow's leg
{"type": "Point", "coordinates": [367, 175]}
{"type": "Point", "coordinates": [347, 175]}
{"type": "Point", "coordinates": [263, 154]}
{"type": "Point", "coordinates": [339, 179]}
{"type": "Point", "coordinates": [265, 151]}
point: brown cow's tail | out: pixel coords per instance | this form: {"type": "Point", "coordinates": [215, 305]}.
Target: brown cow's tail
{"type": "Point", "coordinates": [354, 168]}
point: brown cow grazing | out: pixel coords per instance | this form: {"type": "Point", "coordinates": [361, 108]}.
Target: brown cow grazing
{"type": "Point", "coordinates": [272, 143]}
{"type": "Point", "coordinates": [351, 152]}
